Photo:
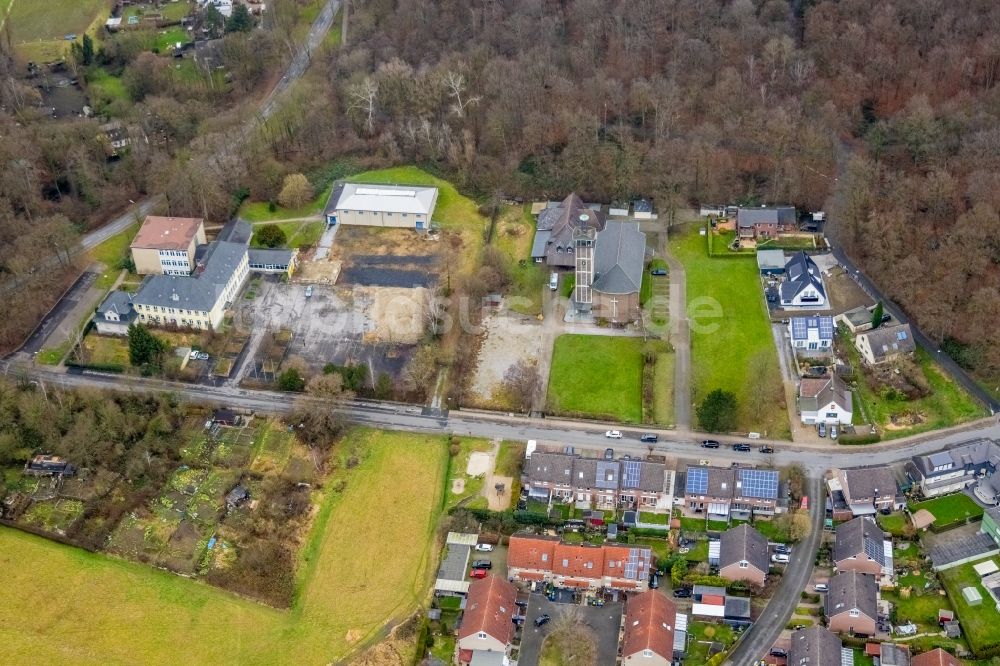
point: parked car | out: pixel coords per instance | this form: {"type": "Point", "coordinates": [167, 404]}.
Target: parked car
{"type": "Point", "coordinates": [309, 291]}
{"type": "Point", "coordinates": [522, 505]}
{"type": "Point", "coordinates": [779, 652]}
{"type": "Point", "coordinates": [682, 592]}
{"type": "Point", "coordinates": [833, 432]}
{"type": "Point", "coordinates": [613, 434]}
{"type": "Point", "coordinates": [203, 356]}
{"type": "Point", "coordinates": [744, 448]}
{"type": "Point", "coordinates": [482, 564]}
{"type": "Point", "coordinates": [478, 573]}
{"type": "Point", "coordinates": [821, 587]}
{"type": "Point", "coordinates": [658, 271]}
{"type": "Point", "coordinates": [650, 437]}
{"type": "Point", "coordinates": [609, 454]}
{"type": "Point", "coordinates": [554, 281]}
{"type": "Point", "coordinates": [709, 444]}
{"type": "Point", "coordinates": [541, 619]}
{"type": "Point", "coordinates": [484, 547]}
{"type": "Point", "coordinates": [766, 449]}
{"type": "Point", "coordinates": [780, 558]}
{"type": "Point", "coordinates": [822, 430]}
{"type": "Point", "coordinates": [783, 549]}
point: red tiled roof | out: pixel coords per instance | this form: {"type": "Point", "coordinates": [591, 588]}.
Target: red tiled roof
{"type": "Point", "coordinates": [167, 233]}
{"type": "Point", "coordinates": [575, 582]}
{"type": "Point", "coordinates": [649, 625]}
{"type": "Point", "coordinates": [936, 657]}
{"type": "Point", "coordinates": [531, 552]}
{"type": "Point", "coordinates": [464, 656]}
{"type": "Point", "coordinates": [624, 584]}
{"type": "Point", "coordinates": [531, 575]}
{"type": "Point", "coordinates": [578, 560]}
{"type": "Point", "coordinates": [873, 649]}
{"type": "Point", "coordinates": [489, 608]}
{"type": "Point", "coordinates": [713, 600]}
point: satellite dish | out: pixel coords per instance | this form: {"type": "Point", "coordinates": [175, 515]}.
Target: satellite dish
{"type": "Point", "coordinates": [584, 217]}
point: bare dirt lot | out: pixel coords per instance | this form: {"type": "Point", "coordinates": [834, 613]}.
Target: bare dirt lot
{"type": "Point", "coordinates": [378, 257]}
{"type": "Point", "coordinates": [508, 339]}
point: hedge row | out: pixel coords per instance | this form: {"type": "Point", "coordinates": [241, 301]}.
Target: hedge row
{"type": "Point", "coordinates": [101, 367]}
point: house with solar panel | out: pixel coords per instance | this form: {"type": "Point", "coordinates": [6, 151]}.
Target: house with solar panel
{"type": "Point", "coordinates": [724, 492]}
{"type": "Point", "coordinates": [862, 546]}
{"type": "Point", "coordinates": [409, 207]}
{"type": "Point", "coordinates": [811, 336]}
{"type": "Point", "coordinates": [538, 559]}
{"type": "Point", "coordinates": [885, 344]}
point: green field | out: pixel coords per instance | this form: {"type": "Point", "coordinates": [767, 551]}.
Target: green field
{"type": "Point", "coordinates": [980, 624]}
{"type": "Point", "coordinates": [111, 253]}
{"type": "Point", "coordinates": [37, 28]}
{"type": "Point", "coordinates": [947, 405]}
{"type": "Point", "coordinates": [298, 234]}
{"type": "Point", "coordinates": [920, 606]}
{"type": "Point", "coordinates": [112, 611]}
{"type": "Point", "coordinates": [513, 236]}
{"type": "Point", "coordinates": [473, 486]}
{"type": "Point", "coordinates": [950, 509]}
{"type": "Point", "coordinates": [729, 327]}
{"type": "Point", "coordinates": [259, 211]}
{"type": "Point", "coordinates": [663, 389]}
{"type": "Point", "coordinates": [600, 376]}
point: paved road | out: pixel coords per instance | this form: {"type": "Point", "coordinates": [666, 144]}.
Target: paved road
{"type": "Point", "coordinates": [932, 347]}
{"type": "Point", "coordinates": [765, 631]}
{"type": "Point", "coordinates": [56, 314]}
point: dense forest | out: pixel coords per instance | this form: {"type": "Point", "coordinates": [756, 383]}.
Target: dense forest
{"type": "Point", "coordinates": [885, 114]}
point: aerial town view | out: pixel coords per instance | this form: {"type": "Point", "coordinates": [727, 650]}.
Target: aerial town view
{"type": "Point", "coordinates": [500, 332]}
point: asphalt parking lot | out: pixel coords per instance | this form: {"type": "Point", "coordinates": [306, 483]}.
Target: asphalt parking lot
{"type": "Point", "coordinates": [604, 622]}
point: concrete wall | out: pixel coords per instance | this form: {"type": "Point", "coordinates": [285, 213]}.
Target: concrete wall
{"type": "Point", "coordinates": [378, 219]}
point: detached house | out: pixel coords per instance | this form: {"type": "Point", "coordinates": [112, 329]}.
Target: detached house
{"type": "Point", "coordinates": [863, 491]}
{"type": "Point", "coordinates": [885, 344]}
{"type": "Point", "coordinates": [578, 566]}
{"type": "Point", "coordinates": [650, 620]}
{"type": "Point", "coordinates": [952, 470]}
{"type": "Point", "coordinates": [815, 646]}
{"type": "Point", "coordinates": [861, 546]}
{"type": "Point", "coordinates": [803, 285]}
{"type": "Point", "coordinates": [763, 223]}
{"type": "Point", "coordinates": [743, 555]}
{"type": "Point", "coordinates": [825, 400]}
{"type": "Point", "coordinates": [721, 491]}
{"type": "Point", "coordinates": [487, 623]}
{"type": "Point", "coordinates": [115, 314]}
{"type": "Point", "coordinates": [558, 229]}
{"type": "Point", "coordinates": [811, 336]}
{"type": "Point", "coordinates": [852, 604]}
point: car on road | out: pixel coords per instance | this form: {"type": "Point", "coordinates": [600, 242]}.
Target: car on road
{"type": "Point", "coordinates": [682, 592]}
{"type": "Point", "coordinates": [479, 573]}
{"type": "Point", "coordinates": [780, 558]}
{"type": "Point", "coordinates": [709, 444]}
{"type": "Point", "coordinates": [658, 271]}
{"type": "Point", "coordinates": [650, 437]}
{"type": "Point", "coordinates": [309, 291]}
{"type": "Point", "coordinates": [542, 619]}
{"type": "Point", "coordinates": [821, 587]}
{"type": "Point", "coordinates": [744, 448]}
{"type": "Point", "coordinates": [766, 449]}
{"type": "Point", "coordinates": [613, 434]}
{"type": "Point", "coordinates": [482, 564]}
{"type": "Point", "coordinates": [654, 581]}
{"type": "Point", "coordinates": [484, 547]}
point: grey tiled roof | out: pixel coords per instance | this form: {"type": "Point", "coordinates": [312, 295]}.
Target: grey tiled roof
{"type": "Point", "coordinates": [269, 256]}
{"type": "Point", "coordinates": [859, 536]}
{"type": "Point", "coordinates": [619, 257]}
{"type": "Point", "coordinates": [561, 221]}
{"type": "Point", "coordinates": [652, 476]}
{"type": "Point", "coordinates": [743, 543]}
{"type": "Point", "coordinates": [801, 271]}
{"type": "Point", "coordinates": [607, 475]}
{"type": "Point", "coordinates": [977, 453]}
{"type": "Point", "coordinates": [850, 589]}
{"type": "Point", "coordinates": [890, 340]}
{"type": "Point", "coordinates": [863, 481]}
{"type": "Point", "coordinates": [539, 243]}
{"type": "Point", "coordinates": [200, 290]}
{"type": "Point", "coordinates": [584, 472]}
{"type": "Point", "coordinates": [748, 217]}
{"type": "Point", "coordinates": [236, 231]}
{"type": "Point", "coordinates": [117, 301]}
{"type": "Point", "coordinates": [823, 391]}
{"type": "Point", "coordinates": [737, 607]}
{"type": "Point", "coordinates": [814, 646]}
{"type": "Point", "coordinates": [550, 468]}
{"type": "Point", "coordinates": [721, 482]}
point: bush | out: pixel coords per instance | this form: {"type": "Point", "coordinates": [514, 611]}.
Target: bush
{"type": "Point", "coordinates": [291, 380]}
{"type": "Point", "coordinates": [854, 440]}
{"type": "Point", "coordinates": [271, 235]}
{"type": "Point", "coordinates": [717, 412]}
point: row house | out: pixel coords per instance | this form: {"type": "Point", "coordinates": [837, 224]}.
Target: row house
{"type": "Point", "coordinates": [600, 483]}
{"type": "Point", "coordinates": [863, 491]}
{"type": "Point", "coordinates": [725, 491]}
{"type": "Point", "coordinates": [578, 566]}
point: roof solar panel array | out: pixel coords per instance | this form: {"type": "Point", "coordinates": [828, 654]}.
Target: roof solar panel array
{"type": "Point", "coordinates": [630, 473]}
{"type": "Point", "coordinates": [799, 328]}
{"type": "Point", "coordinates": [826, 328]}
{"type": "Point", "coordinates": [759, 483]}
{"type": "Point", "coordinates": [697, 480]}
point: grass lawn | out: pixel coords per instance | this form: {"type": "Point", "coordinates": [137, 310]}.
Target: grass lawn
{"type": "Point", "coordinates": [654, 518]}
{"type": "Point", "coordinates": [947, 404]}
{"type": "Point", "coordinates": [52, 355]}
{"type": "Point", "coordinates": [698, 552]}
{"type": "Point", "coordinates": [701, 635]}
{"type": "Point", "coordinates": [895, 523]}
{"type": "Point", "coordinates": [663, 389]}
{"type": "Point", "coordinates": [457, 467]}
{"type": "Point", "coordinates": [598, 376]}
{"type": "Point", "coordinates": [105, 350]}
{"type": "Point", "coordinates": [699, 525]}
{"type": "Point", "coordinates": [950, 509]}
{"type": "Point", "coordinates": [111, 253]}
{"type": "Point", "coordinates": [258, 211]}
{"type": "Point", "coordinates": [922, 605]}
{"type": "Point", "coordinates": [729, 327]}
{"type": "Point", "coordinates": [40, 26]}
{"type": "Point", "coordinates": [347, 592]}
{"type": "Point", "coordinates": [297, 234]}
{"type": "Point", "coordinates": [513, 237]}
{"type": "Point", "coordinates": [772, 530]}
{"type": "Point", "coordinates": [980, 624]}
{"type": "Point", "coordinates": [510, 458]}
{"type": "Point", "coordinates": [104, 89]}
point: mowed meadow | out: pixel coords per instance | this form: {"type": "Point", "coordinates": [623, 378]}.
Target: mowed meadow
{"type": "Point", "coordinates": [368, 561]}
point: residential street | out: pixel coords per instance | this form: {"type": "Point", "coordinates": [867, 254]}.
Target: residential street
{"type": "Point", "coordinates": [761, 636]}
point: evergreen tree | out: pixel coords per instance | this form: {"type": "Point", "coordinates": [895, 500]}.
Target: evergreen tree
{"type": "Point", "coordinates": [144, 348]}
{"type": "Point", "coordinates": [877, 315]}
{"type": "Point", "coordinates": [717, 412]}
{"type": "Point", "coordinates": [240, 21]}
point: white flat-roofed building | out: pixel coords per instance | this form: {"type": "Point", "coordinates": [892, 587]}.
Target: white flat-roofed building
{"type": "Point", "coordinates": [410, 207]}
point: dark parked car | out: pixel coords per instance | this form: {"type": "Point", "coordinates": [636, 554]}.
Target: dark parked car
{"type": "Point", "coordinates": [783, 549]}
{"type": "Point", "coordinates": [609, 454]}
{"type": "Point", "coordinates": [741, 447]}
{"type": "Point", "coordinates": [541, 619]}
{"type": "Point", "coordinates": [650, 437]}
{"type": "Point", "coordinates": [482, 564]}
{"type": "Point", "coordinates": [654, 582]}
{"type": "Point", "coordinates": [682, 593]}
{"type": "Point", "coordinates": [779, 652]}
{"type": "Point", "coordinates": [767, 449]}
{"type": "Point", "coordinates": [522, 505]}
{"type": "Point", "coordinates": [710, 444]}
{"type": "Point", "coordinates": [658, 271]}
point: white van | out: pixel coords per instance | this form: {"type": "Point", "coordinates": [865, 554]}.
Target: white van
{"type": "Point", "coordinates": [554, 281]}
